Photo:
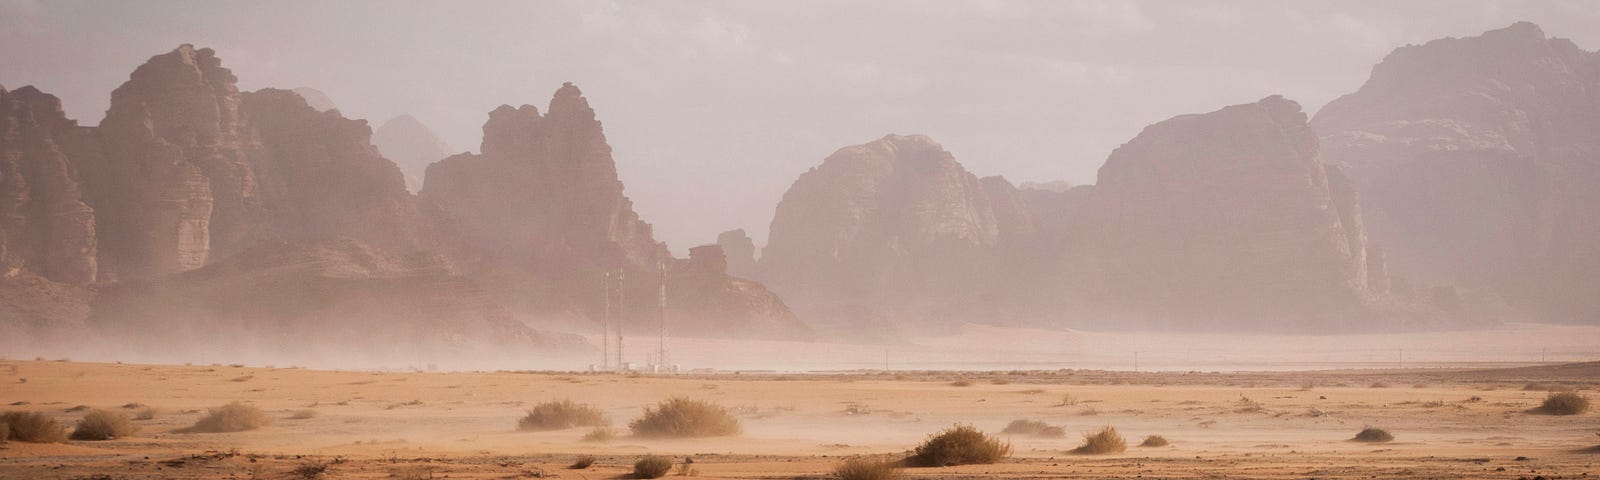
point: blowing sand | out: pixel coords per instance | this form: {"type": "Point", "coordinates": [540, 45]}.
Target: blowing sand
{"type": "Point", "coordinates": [1447, 422]}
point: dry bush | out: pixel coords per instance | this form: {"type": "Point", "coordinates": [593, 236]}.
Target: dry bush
{"type": "Point", "coordinates": [1067, 401]}
{"type": "Point", "coordinates": [1102, 441]}
{"type": "Point", "coordinates": [1155, 441]}
{"type": "Point", "coordinates": [233, 417]}
{"type": "Point", "coordinates": [303, 414]}
{"type": "Point", "coordinates": [560, 415]}
{"type": "Point", "coordinates": [104, 425]}
{"type": "Point", "coordinates": [311, 470]}
{"type": "Point", "coordinates": [682, 417]}
{"type": "Point", "coordinates": [864, 468]}
{"type": "Point", "coordinates": [1536, 387]}
{"type": "Point", "coordinates": [1247, 405]}
{"type": "Point", "coordinates": [146, 413]}
{"type": "Point", "coordinates": [582, 462]}
{"type": "Point", "coordinates": [1380, 384]}
{"type": "Point", "coordinates": [652, 466]}
{"type": "Point", "coordinates": [1000, 381]}
{"type": "Point", "coordinates": [959, 445]}
{"type": "Point", "coordinates": [1563, 403]}
{"type": "Point", "coordinates": [33, 428]}
{"type": "Point", "coordinates": [1373, 435]}
{"type": "Point", "coordinates": [687, 470]}
{"type": "Point", "coordinates": [961, 383]}
{"type": "Point", "coordinates": [600, 434]}
{"type": "Point", "coordinates": [5, 433]}
{"type": "Point", "coordinates": [1035, 428]}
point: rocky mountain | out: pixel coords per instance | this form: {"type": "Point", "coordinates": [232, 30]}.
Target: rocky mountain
{"type": "Point", "coordinates": [45, 226]}
{"type": "Point", "coordinates": [1229, 217]}
{"type": "Point", "coordinates": [540, 214]}
{"type": "Point", "coordinates": [316, 99]}
{"type": "Point", "coordinates": [740, 251]}
{"type": "Point", "coordinates": [1478, 163]}
{"type": "Point", "coordinates": [412, 146]}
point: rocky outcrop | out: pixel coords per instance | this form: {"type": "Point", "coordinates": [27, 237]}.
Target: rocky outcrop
{"type": "Point", "coordinates": [412, 146]}
{"type": "Point", "coordinates": [896, 221]}
{"type": "Point", "coordinates": [316, 99]}
{"type": "Point", "coordinates": [1478, 164]}
{"type": "Point", "coordinates": [45, 226]}
{"type": "Point", "coordinates": [740, 251]}
{"type": "Point", "coordinates": [1229, 217]}
{"type": "Point", "coordinates": [540, 213]}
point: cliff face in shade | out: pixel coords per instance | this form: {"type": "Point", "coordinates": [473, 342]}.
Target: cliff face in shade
{"type": "Point", "coordinates": [1228, 216]}
{"type": "Point", "coordinates": [1478, 163]}
{"type": "Point", "coordinates": [892, 222]}
{"type": "Point", "coordinates": [412, 146]}
{"type": "Point", "coordinates": [705, 301]}
{"type": "Point", "coordinates": [45, 226]}
{"type": "Point", "coordinates": [741, 252]}
{"type": "Point", "coordinates": [540, 213]}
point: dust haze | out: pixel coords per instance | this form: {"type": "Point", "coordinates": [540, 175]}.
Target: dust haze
{"type": "Point", "coordinates": [984, 239]}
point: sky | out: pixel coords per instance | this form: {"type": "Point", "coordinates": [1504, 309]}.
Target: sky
{"type": "Point", "coordinates": [714, 108]}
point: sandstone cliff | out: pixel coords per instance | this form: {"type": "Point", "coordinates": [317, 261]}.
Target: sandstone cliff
{"type": "Point", "coordinates": [741, 252]}
{"type": "Point", "coordinates": [1478, 163]}
{"type": "Point", "coordinates": [412, 146]}
{"type": "Point", "coordinates": [45, 226]}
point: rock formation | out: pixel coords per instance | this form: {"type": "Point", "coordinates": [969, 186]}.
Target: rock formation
{"type": "Point", "coordinates": [541, 214]}
{"type": "Point", "coordinates": [45, 226]}
{"type": "Point", "coordinates": [896, 221]}
{"type": "Point", "coordinates": [1478, 163]}
{"type": "Point", "coordinates": [316, 99]}
{"type": "Point", "coordinates": [740, 251]}
{"type": "Point", "coordinates": [1228, 217]}
{"type": "Point", "coordinates": [412, 146]}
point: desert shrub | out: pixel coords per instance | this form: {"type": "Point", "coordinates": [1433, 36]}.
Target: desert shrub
{"type": "Point", "coordinates": [1380, 384]}
{"type": "Point", "coordinates": [311, 470]}
{"type": "Point", "coordinates": [1035, 428]}
{"type": "Point", "coordinates": [233, 417]}
{"type": "Point", "coordinates": [1154, 441]}
{"type": "Point", "coordinates": [864, 468]}
{"type": "Point", "coordinates": [146, 413]}
{"type": "Point", "coordinates": [687, 470]}
{"type": "Point", "coordinates": [560, 415]}
{"type": "Point", "coordinates": [1563, 403]}
{"type": "Point", "coordinates": [652, 466]}
{"type": "Point", "coordinates": [582, 462]}
{"type": "Point", "coordinates": [682, 417]}
{"type": "Point", "coordinates": [1068, 400]}
{"type": "Point", "coordinates": [104, 425]}
{"type": "Point", "coordinates": [1536, 387]}
{"type": "Point", "coordinates": [961, 383]}
{"type": "Point", "coordinates": [1375, 435]}
{"type": "Point", "coordinates": [5, 433]}
{"type": "Point", "coordinates": [33, 428]}
{"type": "Point", "coordinates": [303, 414]}
{"type": "Point", "coordinates": [959, 445]}
{"type": "Point", "coordinates": [601, 434]}
{"type": "Point", "coordinates": [1102, 441]}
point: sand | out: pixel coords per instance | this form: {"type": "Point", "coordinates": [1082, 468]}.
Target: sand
{"type": "Point", "coordinates": [1448, 422]}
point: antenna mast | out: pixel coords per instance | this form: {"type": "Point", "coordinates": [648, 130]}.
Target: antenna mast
{"type": "Point", "coordinates": [661, 310]}
{"type": "Point", "coordinates": [622, 313]}
{"type": "Point", "coordinates": [605, 321]}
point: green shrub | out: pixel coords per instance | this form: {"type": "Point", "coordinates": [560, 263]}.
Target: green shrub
{"type": "Point", "coordinates": [560, 415]}
{"type": "Point", "coordinates": [1563, 403]}
{"type": "Point", "coordinates": [33, 427]}
{"type": "Point", "coordinates": [865, 468]}
{"type": "Point", "coordinates": [1102, 441]}
{"type": "Point", "coordinates": [104, 425]}
{"type": "Point", "coordinates": [682, 417]}
{"type": "Point", "coordinates": [959, 445]}
{"type": "Point", "coordinates": [233, 417]}
{"type": "Point", "coordinates": [1373, 435]}
{"type": "Point", "coordinates": [652, 466]}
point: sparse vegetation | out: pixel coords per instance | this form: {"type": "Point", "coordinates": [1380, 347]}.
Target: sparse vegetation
{"type": "Point", "coordinates": [1067, 401]}
{"type": "Point", "coordinates": [652, 466]}
{"type": "Point", "coordinates": [305, 414]}
{"type": "Point", "coordinates": [1563, 403]}
{"type": "Point", "coordinates": [682, 417]}
{"type": "Point", "coordinates": [559, 415]}
{"type": "Point", "coordinates": [1102, 441]}
{"type": "Point", "coordinates": [961, 383]}
{"type": "Point", "coordinates": [1380, 384]}
{"type": "Point", "coordinates": [582, 462]}
{"type": "Point", "coordinates": [959, 445]}
{"type": "Point", "coordinates": [1154, 441]}
{"type": "Point", "coordinates": [866, 468]}
{"type": "Point", "coordinates": [311, 470]}
{"type": "Point", "coordinates": [146, 413]}
{"type": "Point", "coordinates": [233, 417]}
{"type": "Point", "coordinates": [104, 425]}
{"type": "Point", "coordinates": [33, 427]}
{"type": "Point", "coordinates": [1373, 435]}
{"type": "Point", "coordinates": [1035, 428]}
{"type": "Point", "coordinates": [600, 434]}
{"type": "Point", "coordinates": [5, 433]}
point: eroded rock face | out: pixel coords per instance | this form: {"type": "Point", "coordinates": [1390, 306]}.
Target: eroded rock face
{"type": "Point", "coordinates": [412, 146]}
{"type": "Point", "coordinates": [541, 210]}
{"type": "Point", "coordinates": [45, 226]}
{"type": "Point", "coordinates": [316, 99]}
{"type": "Point", "coordinates": [1478, 163]}
{"type": "Point", "coordinates": [1228, 216]}
{"type": "Point", "coordinates": [740, 251]}
{"type": "Point", "coordinates": [890, 222]}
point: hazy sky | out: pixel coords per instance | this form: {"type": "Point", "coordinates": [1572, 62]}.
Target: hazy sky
{"type": "Point", "coordinates": [713, 108]}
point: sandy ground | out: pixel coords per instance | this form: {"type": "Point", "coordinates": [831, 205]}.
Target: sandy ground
{"type": "Point", "coordinates": [1449, 422]}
